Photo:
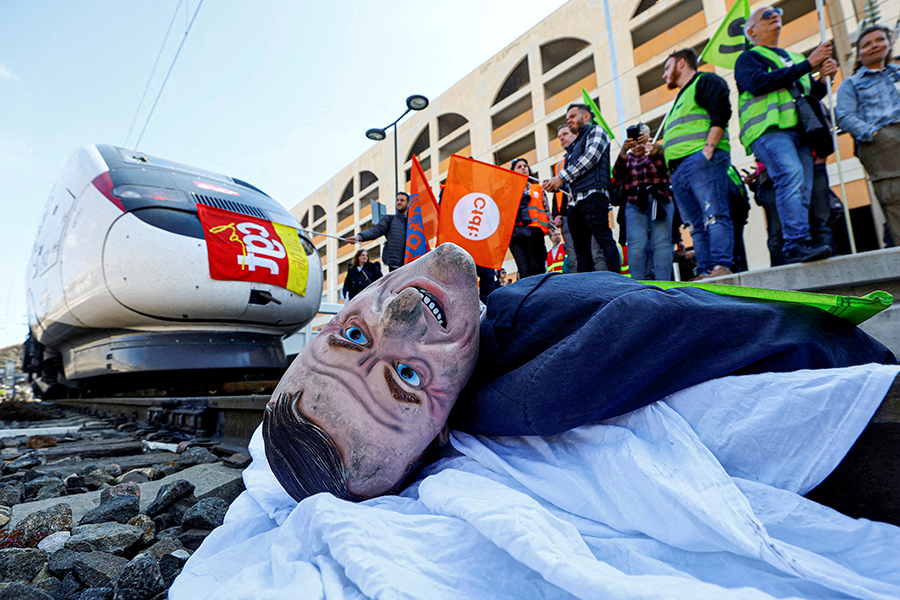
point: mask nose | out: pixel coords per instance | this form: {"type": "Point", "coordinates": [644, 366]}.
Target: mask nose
{"type": "Point", "coordinates": [403, 314]}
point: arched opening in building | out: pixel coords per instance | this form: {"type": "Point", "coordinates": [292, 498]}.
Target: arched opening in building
{"type": "Point", "coordinates": [348, 192]}
{"type": "Point", "coordinates": [366, 178]}
{"type": "Point", "coordinates": [421, 144]}
{"type": "Point", "coordinates": [517, 79]}
{"type": "Point", "coordinates": [558, 51]}
{"type": "Point", "coordinates": [448, 123]}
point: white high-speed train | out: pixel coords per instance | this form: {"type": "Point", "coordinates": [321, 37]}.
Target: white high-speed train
{"type": "Point", "coordinates": [119, 283]}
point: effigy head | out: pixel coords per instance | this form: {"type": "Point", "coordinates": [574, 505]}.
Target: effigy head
{"type": "Point", "coordinates": [360, 405]}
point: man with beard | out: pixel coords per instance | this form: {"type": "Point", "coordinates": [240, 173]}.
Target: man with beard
{"type": "Point", "coordinates": [393, 228]}
{"type": "Point", "coordinates": [587, 176]}
{"type": "Point", "coordinates": [697, 152]}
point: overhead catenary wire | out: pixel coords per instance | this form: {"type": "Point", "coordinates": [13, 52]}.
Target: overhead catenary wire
{"type": "Point", "coordinates": [172, 66]}
{"type": "Point", "coordinates": [152, 72]}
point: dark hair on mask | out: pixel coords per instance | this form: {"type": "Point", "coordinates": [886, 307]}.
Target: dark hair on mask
{"type": "Point", "coordinates": [304, 459]}
{"type": "Point", "coordinates": [689, 56]}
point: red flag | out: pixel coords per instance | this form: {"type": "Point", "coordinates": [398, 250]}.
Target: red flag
{"type": "Point", "coordinates": [244, 248]}
{"type": "Point", "coordinates": [421, 217]}
{"type": "Point", "coordinates": [478, 210]}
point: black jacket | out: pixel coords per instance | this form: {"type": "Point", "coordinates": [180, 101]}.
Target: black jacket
{"type": "Point", "coordinates": [393, 228]}
{"type": "Point", "coordinates": [358, 279]}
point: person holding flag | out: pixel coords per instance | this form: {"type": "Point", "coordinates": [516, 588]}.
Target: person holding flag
{"type": "Point", "coordinates": [393, 228]}
{"type": "Point", "coordinates": [697, 152]}
{"type": "Point", "coordinates": [532, 223]}
{"type": "Point", "coordinates": [765, 76]}
{"type": "Point", "coordinates": [587, 175]}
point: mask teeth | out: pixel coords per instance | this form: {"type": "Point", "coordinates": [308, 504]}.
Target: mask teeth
{"type": "Point", "coordinates": [432, 306]}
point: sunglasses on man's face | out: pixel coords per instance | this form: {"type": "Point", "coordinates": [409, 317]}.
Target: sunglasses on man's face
{"type": "Point", "coordinates": [771, 13]}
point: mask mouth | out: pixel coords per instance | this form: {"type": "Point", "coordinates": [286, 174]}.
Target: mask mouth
{"type": "Point", "coordinates": [433, 306]}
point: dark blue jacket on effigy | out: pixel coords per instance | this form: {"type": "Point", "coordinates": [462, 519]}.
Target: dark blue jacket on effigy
{"type": "Point", "coordinates": [560, 351]}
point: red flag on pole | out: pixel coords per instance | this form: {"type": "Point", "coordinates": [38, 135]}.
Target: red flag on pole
{"type": "Point", "coordinates": [478, 210]}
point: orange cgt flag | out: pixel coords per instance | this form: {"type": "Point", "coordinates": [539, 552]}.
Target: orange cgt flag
{"type": "Point", "coordinates": [478, 210]}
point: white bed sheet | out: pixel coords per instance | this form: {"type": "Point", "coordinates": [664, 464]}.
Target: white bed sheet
{"type": "Point", "coordinates": [692, 497]}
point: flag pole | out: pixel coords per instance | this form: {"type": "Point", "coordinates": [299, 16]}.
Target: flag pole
{"type": "Point", "coordinates": [820, 9]}
{"type": "Point", "coordinates": [663, 124]}
{"type": "Point", "coordinates": [328, 235]}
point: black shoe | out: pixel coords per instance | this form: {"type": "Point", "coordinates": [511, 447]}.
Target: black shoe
{"type": "Point", "coordinates": [806, 252]}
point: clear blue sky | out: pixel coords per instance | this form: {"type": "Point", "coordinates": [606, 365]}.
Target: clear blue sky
{"type": "Point", "coordinates": [276, 92]}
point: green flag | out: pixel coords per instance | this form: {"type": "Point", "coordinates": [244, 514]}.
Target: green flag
{"type": "Point", "coordinates": [729, 41]}
{"type": "Point", "coordinates": [852, 308]}
{"type": "Point", "coordinates": [596, 110]}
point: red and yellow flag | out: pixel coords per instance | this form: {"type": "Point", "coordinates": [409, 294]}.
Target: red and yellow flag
{"type": "Point", "coordinates": [244, 248]}
{"type": "Point", "coordinates": [422, 216]}
{"type": "Point", "coordinates": [478, 210]}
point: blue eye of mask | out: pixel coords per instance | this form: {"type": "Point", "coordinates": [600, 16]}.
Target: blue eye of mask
{"type": "Point", "coordinates": [408, 374]}
{"type": "Point", "coordinates": [355, 335]}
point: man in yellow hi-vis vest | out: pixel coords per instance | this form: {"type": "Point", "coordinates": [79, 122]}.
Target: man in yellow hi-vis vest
{"type": "Point", "coordinates": [765, 76]}
{"type": "Point", "coordinates": [698, 154]}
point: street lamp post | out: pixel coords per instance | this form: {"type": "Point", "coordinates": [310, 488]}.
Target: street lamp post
{"type": "Point", "coordinates": [414, 102]}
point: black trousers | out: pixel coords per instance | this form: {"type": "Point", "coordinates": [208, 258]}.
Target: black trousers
{"type": "Point", "coordinates": [590, 217]}
{"type": "Point", "coordinates": [529, 252]}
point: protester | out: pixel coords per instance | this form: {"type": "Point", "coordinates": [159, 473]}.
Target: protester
{"type": "Point", "coordinates": [502, 278]}
{"type": "Point", "coordinates": [527, 242]}
{"type": "Point", "coordinates": [698, 155]}
{"type": "Point", "coordinates": [488, 281]}
{"type": "Point", "coordinates": [739, 211]}
{"type": "Point", "coordinates": [868, 106]}
{"type": "Point", "coordinates": [587, 176]}
{"type": "Point", "coordinates": [393, 228]}
{"type": "Point", "coordinates": [360, 274]}
{"type": "Point", "coordinates": [560, 208]}
{"type": "Point", "coordinates": [765, 75]}
{"type": "Point", "coordinates": [556, 255]}
{"type": "Point", "coordinates": [764, 195]}
{"type": "Point", "coordinates": [648, 210]}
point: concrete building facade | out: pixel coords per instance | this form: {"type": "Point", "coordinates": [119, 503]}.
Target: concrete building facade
{"type": "Point", "coordinates": [512, 104]}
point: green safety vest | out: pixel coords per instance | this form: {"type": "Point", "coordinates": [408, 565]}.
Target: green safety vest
{"type": "Point", "coordinates": [775, 109]}
{"type": "Point", "coordinates": [688, 126]}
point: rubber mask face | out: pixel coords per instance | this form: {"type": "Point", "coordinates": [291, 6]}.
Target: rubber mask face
{"type": "Point", "coordinates": [384, 373]}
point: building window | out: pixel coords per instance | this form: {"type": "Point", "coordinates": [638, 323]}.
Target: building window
{"type": "Point", "coordinates": [518, 79]}
{"type": "Point", "coordinates": [449, 123]}
{"type": "Point", "coordinates": [558, 51]}
{"type": "Point", "coordinates": [345, 212]}
{"type": "Point", "coordinates": [644, 5]}
{"type": "Point", "coordinates": [366, 178]}
{"type": "Point", "coordinates": [348, 192]}
{"type": "Point", "coordinates": [665, 21]}
{"type": "Point", "coordinates": [318, 212]}
{"type": "Point", "coordinates": [523, 147]}
{"type": "Point", "coordinates": [571, 82]}
{"type": "Point", "coordinates": [454, 146]}
{"type": "Point", "coordinates": [420, 145]}
{"type": "Point", "coordinates": [304, 222]}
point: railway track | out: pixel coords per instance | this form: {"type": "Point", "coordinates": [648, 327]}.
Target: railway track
{"type": "Point", "coordinates": [232, 417]}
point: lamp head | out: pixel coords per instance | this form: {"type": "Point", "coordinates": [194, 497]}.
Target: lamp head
{"type": "Point", "coordinates": [417, 102]}
{"type": "Point", "coordinates": [376, 135]}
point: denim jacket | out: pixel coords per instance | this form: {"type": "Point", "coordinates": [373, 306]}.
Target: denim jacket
{"type": "Point", "coordinates": [867, 101]}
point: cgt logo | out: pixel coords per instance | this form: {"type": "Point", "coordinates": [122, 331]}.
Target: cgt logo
{"type": "Point", "coordinates": [255, 246]}
{"type": "Point", "coordinates": [476, 216]}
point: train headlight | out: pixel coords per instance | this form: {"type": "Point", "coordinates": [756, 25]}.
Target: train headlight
{"type": "Point", "coordinates": [144, 192]}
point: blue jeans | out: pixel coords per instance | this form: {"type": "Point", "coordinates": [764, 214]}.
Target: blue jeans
{"type": "Point", "coordinates": [790, 166]}
{"type": "Point", "coordinates": [700, 187]}
{"type": "Point", "coordinates": [639, 228]}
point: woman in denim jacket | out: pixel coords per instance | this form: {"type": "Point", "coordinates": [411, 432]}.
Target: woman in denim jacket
{"type": "Point", "coordinates": [868, 106]}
